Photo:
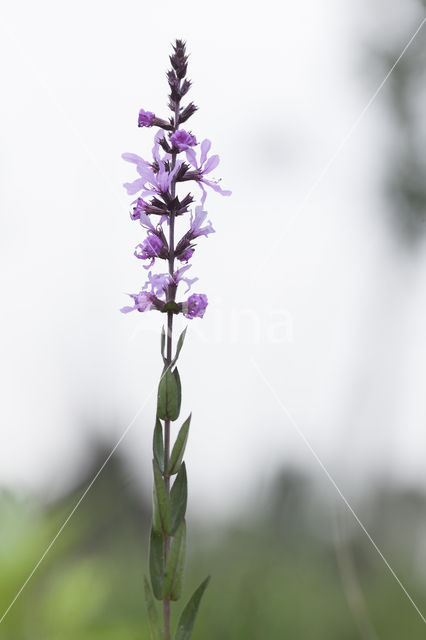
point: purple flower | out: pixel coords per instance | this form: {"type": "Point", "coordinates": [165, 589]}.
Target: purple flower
{"type": "Point", "coordinates": [196, 230]}
{"type": "Point", "coordinates": [178, 277]}
{"type": "Point", "coordinates": [146, 118]}
{"type": "Point", "coordinates": [183, 140]}
{"type": "Point", "coordinates": [186, 255]}
{"type": "Point", "coordinates": [184, 248]}
{"type": "Point", "coordinates": [159, 282]}
{"type": "Point", "coordinates": [143, 302]}
{"type": "Point", "coordinates": [151, 183]}
{"type": "Point", "coordinates": [139, 207]}
{"type": "Point", "coordinates": [195, 306]}
{"type": "Point", "coordinates": [152, 247]}
{"type": "Point", "coordinates": [206, 165]}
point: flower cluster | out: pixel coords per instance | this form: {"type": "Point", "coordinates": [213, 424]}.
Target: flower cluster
{"type": "Point", "coordinates": [157, 187]}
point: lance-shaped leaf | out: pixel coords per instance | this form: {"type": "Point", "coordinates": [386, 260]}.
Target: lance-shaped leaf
{"type": "Point", "coordinates": [176, 591]}
{"type": "Point", "coordinates": [179, 389]}
{"type": "Point", "coordinates": [156, 520]}
{"type": "Point", "coordinates": [187, 619]}
{"type": "Point", "coordinates": [162, 500]}
{"type": "Point", "coordinates": [179, 346]}
{"type": "Point", "coordinates": [156, 562]}
{"type": "Point", "coordinates": [153, 617]}
{"type": "Point", "coordinates": [158, 445]}
{"type": "Point", "coordinates": [169, 395]}
{"type": "Point", "coordinates": [179, 447]}
{"type": "Point", "coordinates": [178, 499]}
{"type": "Point", "coordinates": [163, 344]}
{"type": "Point", "coordinates": [172, 583]}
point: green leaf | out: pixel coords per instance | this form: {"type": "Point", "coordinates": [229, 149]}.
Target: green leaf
{"type": "Point", "coordinates": [179, 447]}
{"type": "Point", "coordinates": [156, 562]}
{"type": "Point", "coordinates": [158, 445]}
{"type": "Point", "coordinates": [156, 520]}
{"type": "Point", "coordinates": [178, 499]}
{"type": "Point", "coordinates": [179, 346]}
{"type": "Point", "coordinates": [176, 376]}
{"type": "Point", "coordinates": [153, 617]}
{"type": "Point", "coordinates": [162, 500]}
{"type": "Point", "coordinates": [187, 619]}
{"type": "Point", "coordinates": [163, 344]}
{"type": "Point", "coordinates": [172, 583]}
{"type": "Point", "coordinates": [162, 395]}
{"type": "Point", "coordinates": [169, 395]}
{"type": "Point", "coordinates": [176, 591]}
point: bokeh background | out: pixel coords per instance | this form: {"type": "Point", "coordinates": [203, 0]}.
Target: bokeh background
{"type": "Point", "coordinates": [306, 376]}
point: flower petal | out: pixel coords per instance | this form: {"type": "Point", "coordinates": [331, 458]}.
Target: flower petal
{"type": "Point", "coordinates": [134, 187]}
{"type": "Point", "coordinates": [217, 188]}
{"type": "Point", "coordinates": [132, 157]}
{"type": "Point", "coordinates": [211, 164]}
{"type": "Point", "coordinates": [189, 282]}
{"type": "Point", "coordinates": [145, 221]}
{"type": "Point", "coordinates": [205, 148]}
{"type": "Point", "coordinates": [191, 157]}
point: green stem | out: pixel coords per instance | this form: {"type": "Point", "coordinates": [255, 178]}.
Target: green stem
{"type": "Point", "coordinates": [171, 296]}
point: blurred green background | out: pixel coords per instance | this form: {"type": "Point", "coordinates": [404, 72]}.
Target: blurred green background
{"type": "Point", "coordinates": [299, 567]}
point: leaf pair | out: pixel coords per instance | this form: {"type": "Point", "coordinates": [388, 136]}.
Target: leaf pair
{"type": "Point", "coordinates": [167, 578]}
{"type": "Point", "coordinates": [169, 512]}
{"type": "Point", "coordinates": [178, 448]}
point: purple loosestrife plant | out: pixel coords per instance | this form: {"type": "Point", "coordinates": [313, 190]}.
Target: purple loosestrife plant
{"type": "Point", "coordinates": [159, 202]}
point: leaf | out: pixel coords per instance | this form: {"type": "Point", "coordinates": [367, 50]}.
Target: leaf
{"type": "Point", "coordinates": [156, 563]}
{"type": "Point", "coordinates": [169, 395]}
{"type": "Point", "coordinates": [162, 395]}
{"type": "Point", "coordinates": [178, 499]}
{"type": "Point", "coordinates": [179, 447]}
{"type": "Point", "coordinates": [176, 591]}
{"type": "Point", "coordinates": [158, 445]}
{"type": "Point", "coordinates": [172, 583]}
{"type": "Point", "coordinates": [162, 500]}
{"type": "Point", "coordinates": [187, 618]}
{"type": "Point", "coordinates": [179, 346]}
{"type": "Point", "coordinates": [156, 520]}
{"type": "Point", "coordinates": [176, 376]}
{"type": "Point", "coordinates": [163, 344]}
{"type": "Point", "coordinates": [153, 617]}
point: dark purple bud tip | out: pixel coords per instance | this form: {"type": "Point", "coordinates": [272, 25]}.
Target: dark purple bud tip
{"type": "Point", "coordinates": [146, 118]}
{"type": "Point", "coordinates": [186, 113]}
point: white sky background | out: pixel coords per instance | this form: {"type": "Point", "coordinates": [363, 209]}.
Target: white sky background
{"type": "Point", "coordinates": [278, 86]}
